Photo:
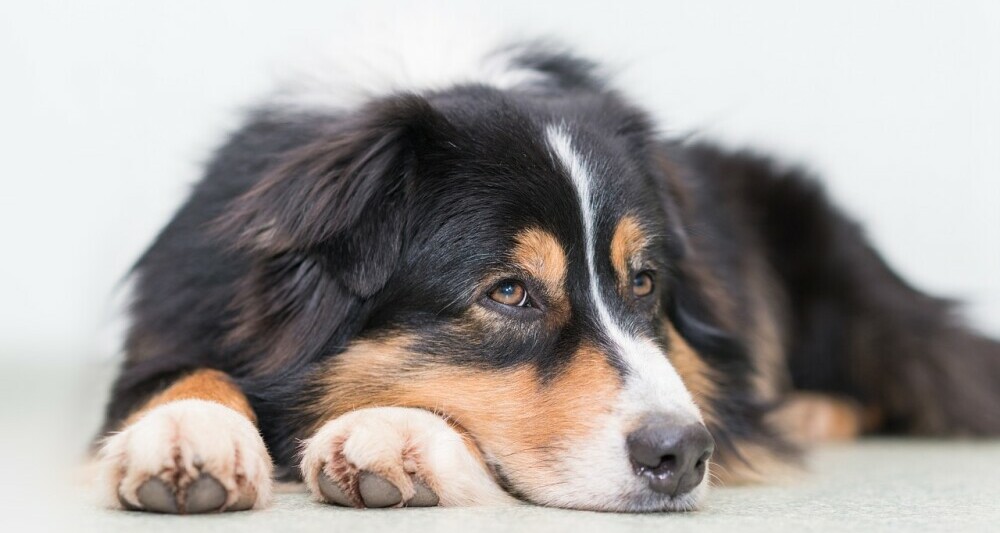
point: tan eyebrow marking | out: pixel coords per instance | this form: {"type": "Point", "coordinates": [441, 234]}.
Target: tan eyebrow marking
{"type": "Point", "coordinates": [540, 254]}
{"type": "Point", "coordinates": [629, 239]}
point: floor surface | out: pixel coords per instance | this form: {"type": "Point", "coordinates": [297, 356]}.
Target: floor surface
{"type": "Point", "coordinates": [869, 486]}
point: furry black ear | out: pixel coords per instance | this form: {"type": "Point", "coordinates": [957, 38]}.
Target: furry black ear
{"type": "Point", "coordinates": [689, 301]}
{"type": "Point", "coordinates": [690, 313]}
{"type": "Point", "coordinates": [338, 199]}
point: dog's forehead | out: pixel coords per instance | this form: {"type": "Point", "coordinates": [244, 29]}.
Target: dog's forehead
{"type": "Point", "coordinates": [499, 158]}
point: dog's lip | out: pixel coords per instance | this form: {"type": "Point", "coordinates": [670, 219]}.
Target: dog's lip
{"type": "Point", "coordinates": [634, 505]}
{"type": "Point", "coordinates": [668, 503]}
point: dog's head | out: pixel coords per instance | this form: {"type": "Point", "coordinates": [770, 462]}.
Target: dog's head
{"type": "Point", "coordinates": [511, 262]}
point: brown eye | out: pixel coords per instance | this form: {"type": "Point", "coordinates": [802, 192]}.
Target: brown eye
{"type": "Point", "coordinates": [642, 284]}
{"type": "Point", "coordinates": [510, 292]}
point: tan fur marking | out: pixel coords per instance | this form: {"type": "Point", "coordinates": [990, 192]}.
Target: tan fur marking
{"type": "Point", "coordinates": [539, 253]}
{"type": "Point", "coordinates": [509, 412]}
{"type": "Point", "coordinates": [211, 385]}
{"type": "Point", "coordinates": [808, 418]}
{"type": "Point", "coordinates": [696, 375]}
{"type": "Point", "coordinates": [626, 244]}
{"type": "Point", "coordinates": [771, 377]}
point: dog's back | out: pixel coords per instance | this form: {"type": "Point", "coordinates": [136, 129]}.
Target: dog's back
{"type": "Point", "coordinates": [850, 325]}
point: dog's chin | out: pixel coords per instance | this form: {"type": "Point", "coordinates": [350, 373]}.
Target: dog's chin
{"type": "Point", "coordinates": [653, 503]}
{"type": "Point", "coordinates": [638, 501]}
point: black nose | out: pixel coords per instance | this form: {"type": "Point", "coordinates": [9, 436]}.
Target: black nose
{"type": "Point", "coordinates": [671, 457]}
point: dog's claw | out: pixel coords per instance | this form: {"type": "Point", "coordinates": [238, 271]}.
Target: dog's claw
{"type": "Point", "coordinates": [377, 492]}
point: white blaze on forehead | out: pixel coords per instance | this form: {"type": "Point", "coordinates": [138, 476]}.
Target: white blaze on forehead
{"type": "Point", "coordinates": [653, 383]}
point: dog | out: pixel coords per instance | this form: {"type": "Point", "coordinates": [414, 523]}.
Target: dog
{"type": "Point", "coordinates": [508, 286]}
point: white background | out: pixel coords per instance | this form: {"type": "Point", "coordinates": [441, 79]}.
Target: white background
{"type": "Point", "coordinates": [108, 110]}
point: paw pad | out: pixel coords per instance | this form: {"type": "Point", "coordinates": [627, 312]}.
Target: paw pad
{"type": "Point", "coordinates": [204, 495]}
{"type": "Point", "coordinates": [377, 492]}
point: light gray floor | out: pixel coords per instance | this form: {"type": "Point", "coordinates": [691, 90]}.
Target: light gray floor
{"type": "Point", "coordinates": [887, 485]}
{"type": "Point", "coordinates": [871, 486]}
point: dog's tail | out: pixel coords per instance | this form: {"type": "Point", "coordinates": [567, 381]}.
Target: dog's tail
{"type": "Point", "coordinates": [856, 327]}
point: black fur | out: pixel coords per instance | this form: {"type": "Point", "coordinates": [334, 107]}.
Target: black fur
{"type": "Point", "coordinates": [312, 229]}
{"type": "Point", "coordinates": [854, 326]}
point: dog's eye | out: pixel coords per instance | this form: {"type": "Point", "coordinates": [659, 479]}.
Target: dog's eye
{"type": "Point", "coordinates": [510, 292]}
{"type": "Point", "coordinates": [642, 284]}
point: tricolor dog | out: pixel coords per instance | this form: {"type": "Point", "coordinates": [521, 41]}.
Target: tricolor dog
{"type": "Point", "coordinates": [508, 286]}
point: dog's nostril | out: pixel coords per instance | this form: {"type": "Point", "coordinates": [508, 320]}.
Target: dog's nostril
{"type": "Point", "coordinates": [670, 456]}
{"type": "Point", "coordinates": [703, 459]}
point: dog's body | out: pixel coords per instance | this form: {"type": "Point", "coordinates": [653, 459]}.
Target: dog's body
{"type": "Point", "coordinates": [511, 287]}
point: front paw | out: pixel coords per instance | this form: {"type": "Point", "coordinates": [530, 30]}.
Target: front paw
{"type": "Point", "coordinates": [396, 457]}
{"type": "Point", "coordinates": [187, 456]}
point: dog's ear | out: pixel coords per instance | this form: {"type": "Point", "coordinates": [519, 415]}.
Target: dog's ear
{"type": "Point", "coordinates": [690, 310]}
{"type": "Point", "coordinates": [339, 199]}
{"type": "Point", "coordinates": [692, 300]}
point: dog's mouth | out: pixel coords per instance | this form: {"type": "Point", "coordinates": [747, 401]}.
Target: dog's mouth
{"type": "Point", "coordinates": [503, 480]}
{"type": "Point", "coordinates": [685, 502]}
{"type": "Point", "coordinates": [638, 488]}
